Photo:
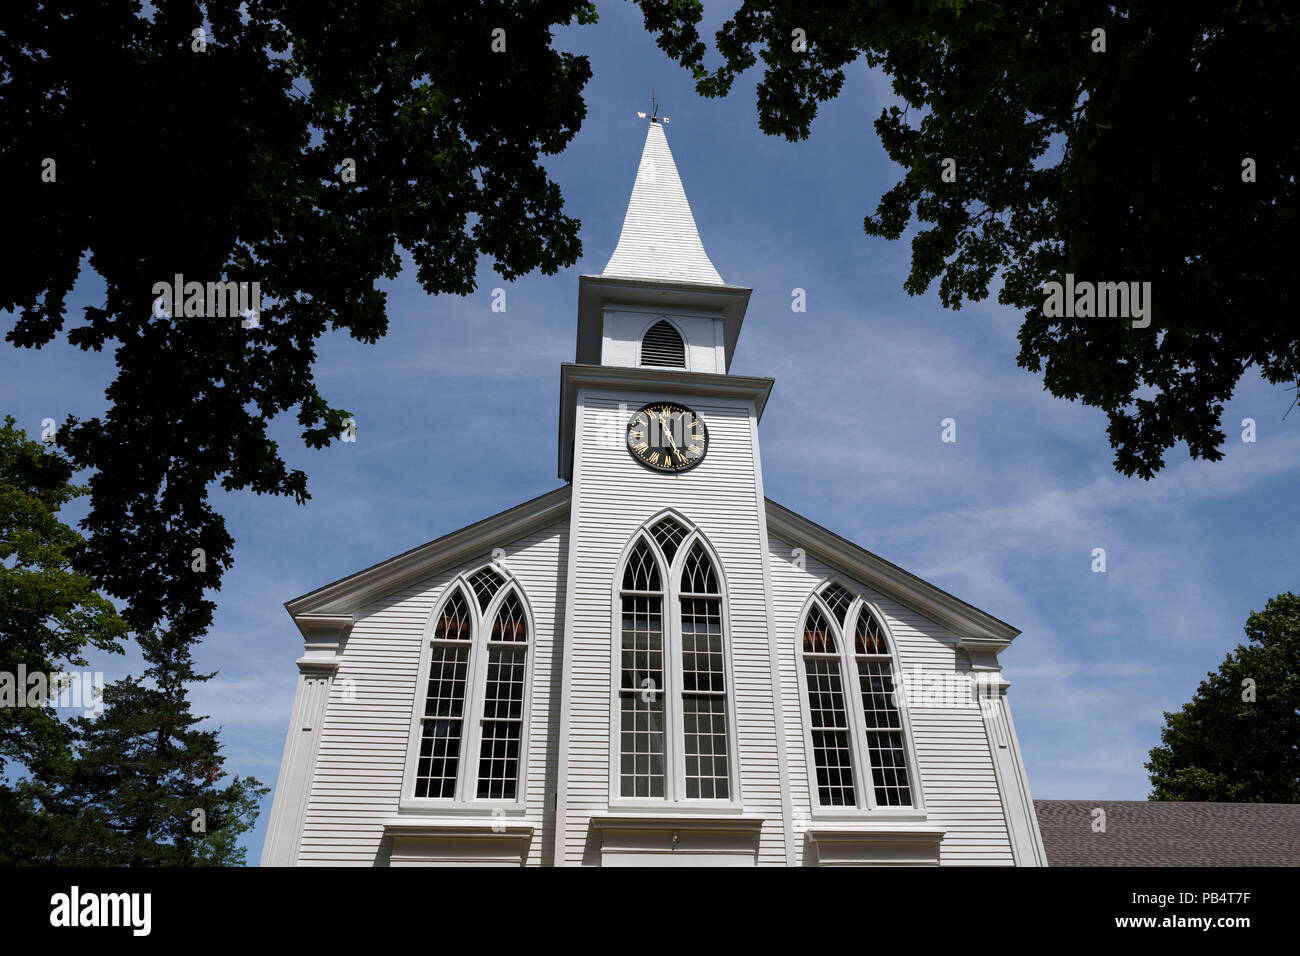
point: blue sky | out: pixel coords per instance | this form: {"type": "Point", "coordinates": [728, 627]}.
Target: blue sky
{"type": "Point", "coordinates": [1006, 517]}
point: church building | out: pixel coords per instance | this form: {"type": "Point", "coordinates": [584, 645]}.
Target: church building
{"type": "Point", "coordinates": [653, 664]}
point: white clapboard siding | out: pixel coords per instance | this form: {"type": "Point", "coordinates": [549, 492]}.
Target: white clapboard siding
{"type": "Point", "coordinates": [613, 496]}
{"type": "Point", "coordinates": [362, 757]}
{"type": "Point", "coordinates": [952, 748]}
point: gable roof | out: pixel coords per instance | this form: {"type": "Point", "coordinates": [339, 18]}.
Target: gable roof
{"type": "Point", "coordinates": [1170, 833]}
{"type": "Point", "coordinates": [977, 630]}
{"type": "Point", "coordinates": [659, 240]}
{"type": "Point", "coordinates": [351, 592]}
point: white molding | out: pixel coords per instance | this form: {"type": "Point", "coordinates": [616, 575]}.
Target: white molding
{"type": "Point", "coordinates": [965, 619]}
{"type": "Point", "coordinates": [649, 839]}
{"type": "Point", "coordinates": [323, 639]}
{"type": "Point", "coordinates": [1012, 781]}
{"type": "Point", "coordinates": [564, 687]}
{"type": "Point", "coordinates": [773, 650]}
{"type": "Point", "coordinates": [845, 845]}
{"type": "Point", "coordinates": [457, 841]}
{"type": "Point", "coordinates": [351, 593]}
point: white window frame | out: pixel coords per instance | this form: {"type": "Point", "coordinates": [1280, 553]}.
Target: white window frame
{"type": "Point", "coordinates": [467, 800]}
{"type": "Point", "coordinates": [863, 785]}
{"type": "Point", "coordinates": [674, 798]}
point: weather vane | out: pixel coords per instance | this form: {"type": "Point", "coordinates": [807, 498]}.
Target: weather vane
{"type": "Point", "coordinates": [654, 111]}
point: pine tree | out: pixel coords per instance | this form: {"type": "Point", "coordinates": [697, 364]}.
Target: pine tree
{"type": "Point", "coordinates": [146, 785]}
{"type": "Point", "coordinates": [49, 614]}
{"type": "Point", "coordinates": [1236, 740]}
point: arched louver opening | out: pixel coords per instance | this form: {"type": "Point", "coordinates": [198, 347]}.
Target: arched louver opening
{"type": "Point", "coordinates": [485, 583]}
{"type": "Point", "coordinates": [884, 725]}
{"type": "Point", "coordinates": [444, 706]}
{"type": "Point", "coordinates": [663, 346]}
{"type": "Point", "coordinates": [704, 683]}
{"type": "Point", "coordinates": [641, 685]}
{"type": "Point", "coordinates": [838, 600]}
{"type": "Point", "coordinates": [503, 702]}
{"type": "Point", "coordinates": [668, 534]}
{"type": "Point", "coordinates": [828, 713]}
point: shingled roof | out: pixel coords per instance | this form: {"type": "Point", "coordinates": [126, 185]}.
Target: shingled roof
{"type": "Point", "coordinates": [1173, 833]}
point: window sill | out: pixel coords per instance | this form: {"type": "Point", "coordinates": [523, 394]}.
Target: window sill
{"type": "Point", "coordinates": [835, 816]}
{"type": "Point", "coordinates": [651, 808]}
{"type": "Point", "coordinates": [414, 807]}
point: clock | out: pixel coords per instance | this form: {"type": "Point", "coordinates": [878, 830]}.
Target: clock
{"type": "Point", "coordinates": [665, 436]}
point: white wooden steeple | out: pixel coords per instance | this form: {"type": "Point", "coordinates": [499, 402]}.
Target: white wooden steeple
{"type": "Point", "coordinates": [659, 240]}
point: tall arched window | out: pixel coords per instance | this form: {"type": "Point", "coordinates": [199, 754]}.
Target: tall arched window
{"type": "Point", "coordinates": [675, 734]}
{"type": "Point", "coordinates": [663, 345]}
{"type": "Point", "coordinates": [856, 739]}
{"type": "Point", "coordinates": [471, 726]}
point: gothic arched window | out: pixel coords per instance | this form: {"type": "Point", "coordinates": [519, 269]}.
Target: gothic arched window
{"type": "Point", "coordinates": [471, 727]}
{"type": "Point", "coordinates": [856, 732]}
{"type": "Point", "coordinates": [663, 345]}
{"type": "Point", "coordinates": [675, 735]}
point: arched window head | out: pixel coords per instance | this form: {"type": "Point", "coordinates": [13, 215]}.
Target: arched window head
{"type": "Point", "coordinates": [838, 600]}
{"type": "Point", "coordinates": [485, 583]}
{"type": "Point", "coordinates": [668, 534]}
{"type": "Point", "coordinates": [663, 346]}
{"type": "Point", "coordinates": [642, 573]}
{"type": "Point", "coordinates": [697, 573]}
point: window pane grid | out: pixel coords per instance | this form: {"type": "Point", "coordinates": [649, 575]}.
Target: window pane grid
{"type": "Point", "coordinates": [704, 704]}
{"type": "Point", "coordinates": [830, 723]}
{"type": "Point", "coordinates": [441, 725]}
{"type": "Point", "coordinates": [641, 703]}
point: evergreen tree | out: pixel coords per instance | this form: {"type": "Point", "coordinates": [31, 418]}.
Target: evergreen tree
{"type": "Point", "coordinates": [49, 613]}
{"type": "Point", "coordinates": [1238, 739]}
{"type": "Point", "coordinates": [145, 787]}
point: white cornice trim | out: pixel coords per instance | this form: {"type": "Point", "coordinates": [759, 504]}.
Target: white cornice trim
{"type": "Point", "coordinates": [323, 638]}
{"type": "Point", "coordinates": [973, 626]}
{"type": "Point", "coordinates": [347, 595]}
{"type": "Point", "coordinates": [679, 381]}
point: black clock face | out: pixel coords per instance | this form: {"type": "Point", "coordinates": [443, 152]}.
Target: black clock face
{"type": "Point", "coordinates": [666, 436]}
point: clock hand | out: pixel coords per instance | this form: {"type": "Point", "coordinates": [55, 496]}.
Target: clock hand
{"type": "Point", "coordinates": [669, 433]}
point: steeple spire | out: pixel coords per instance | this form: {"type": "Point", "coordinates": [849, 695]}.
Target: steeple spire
{"type": "Point", "coordinates": [659, 239]}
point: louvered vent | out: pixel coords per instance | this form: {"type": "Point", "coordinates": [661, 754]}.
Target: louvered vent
{"type": "Point", "coordinates": [662, 345]}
